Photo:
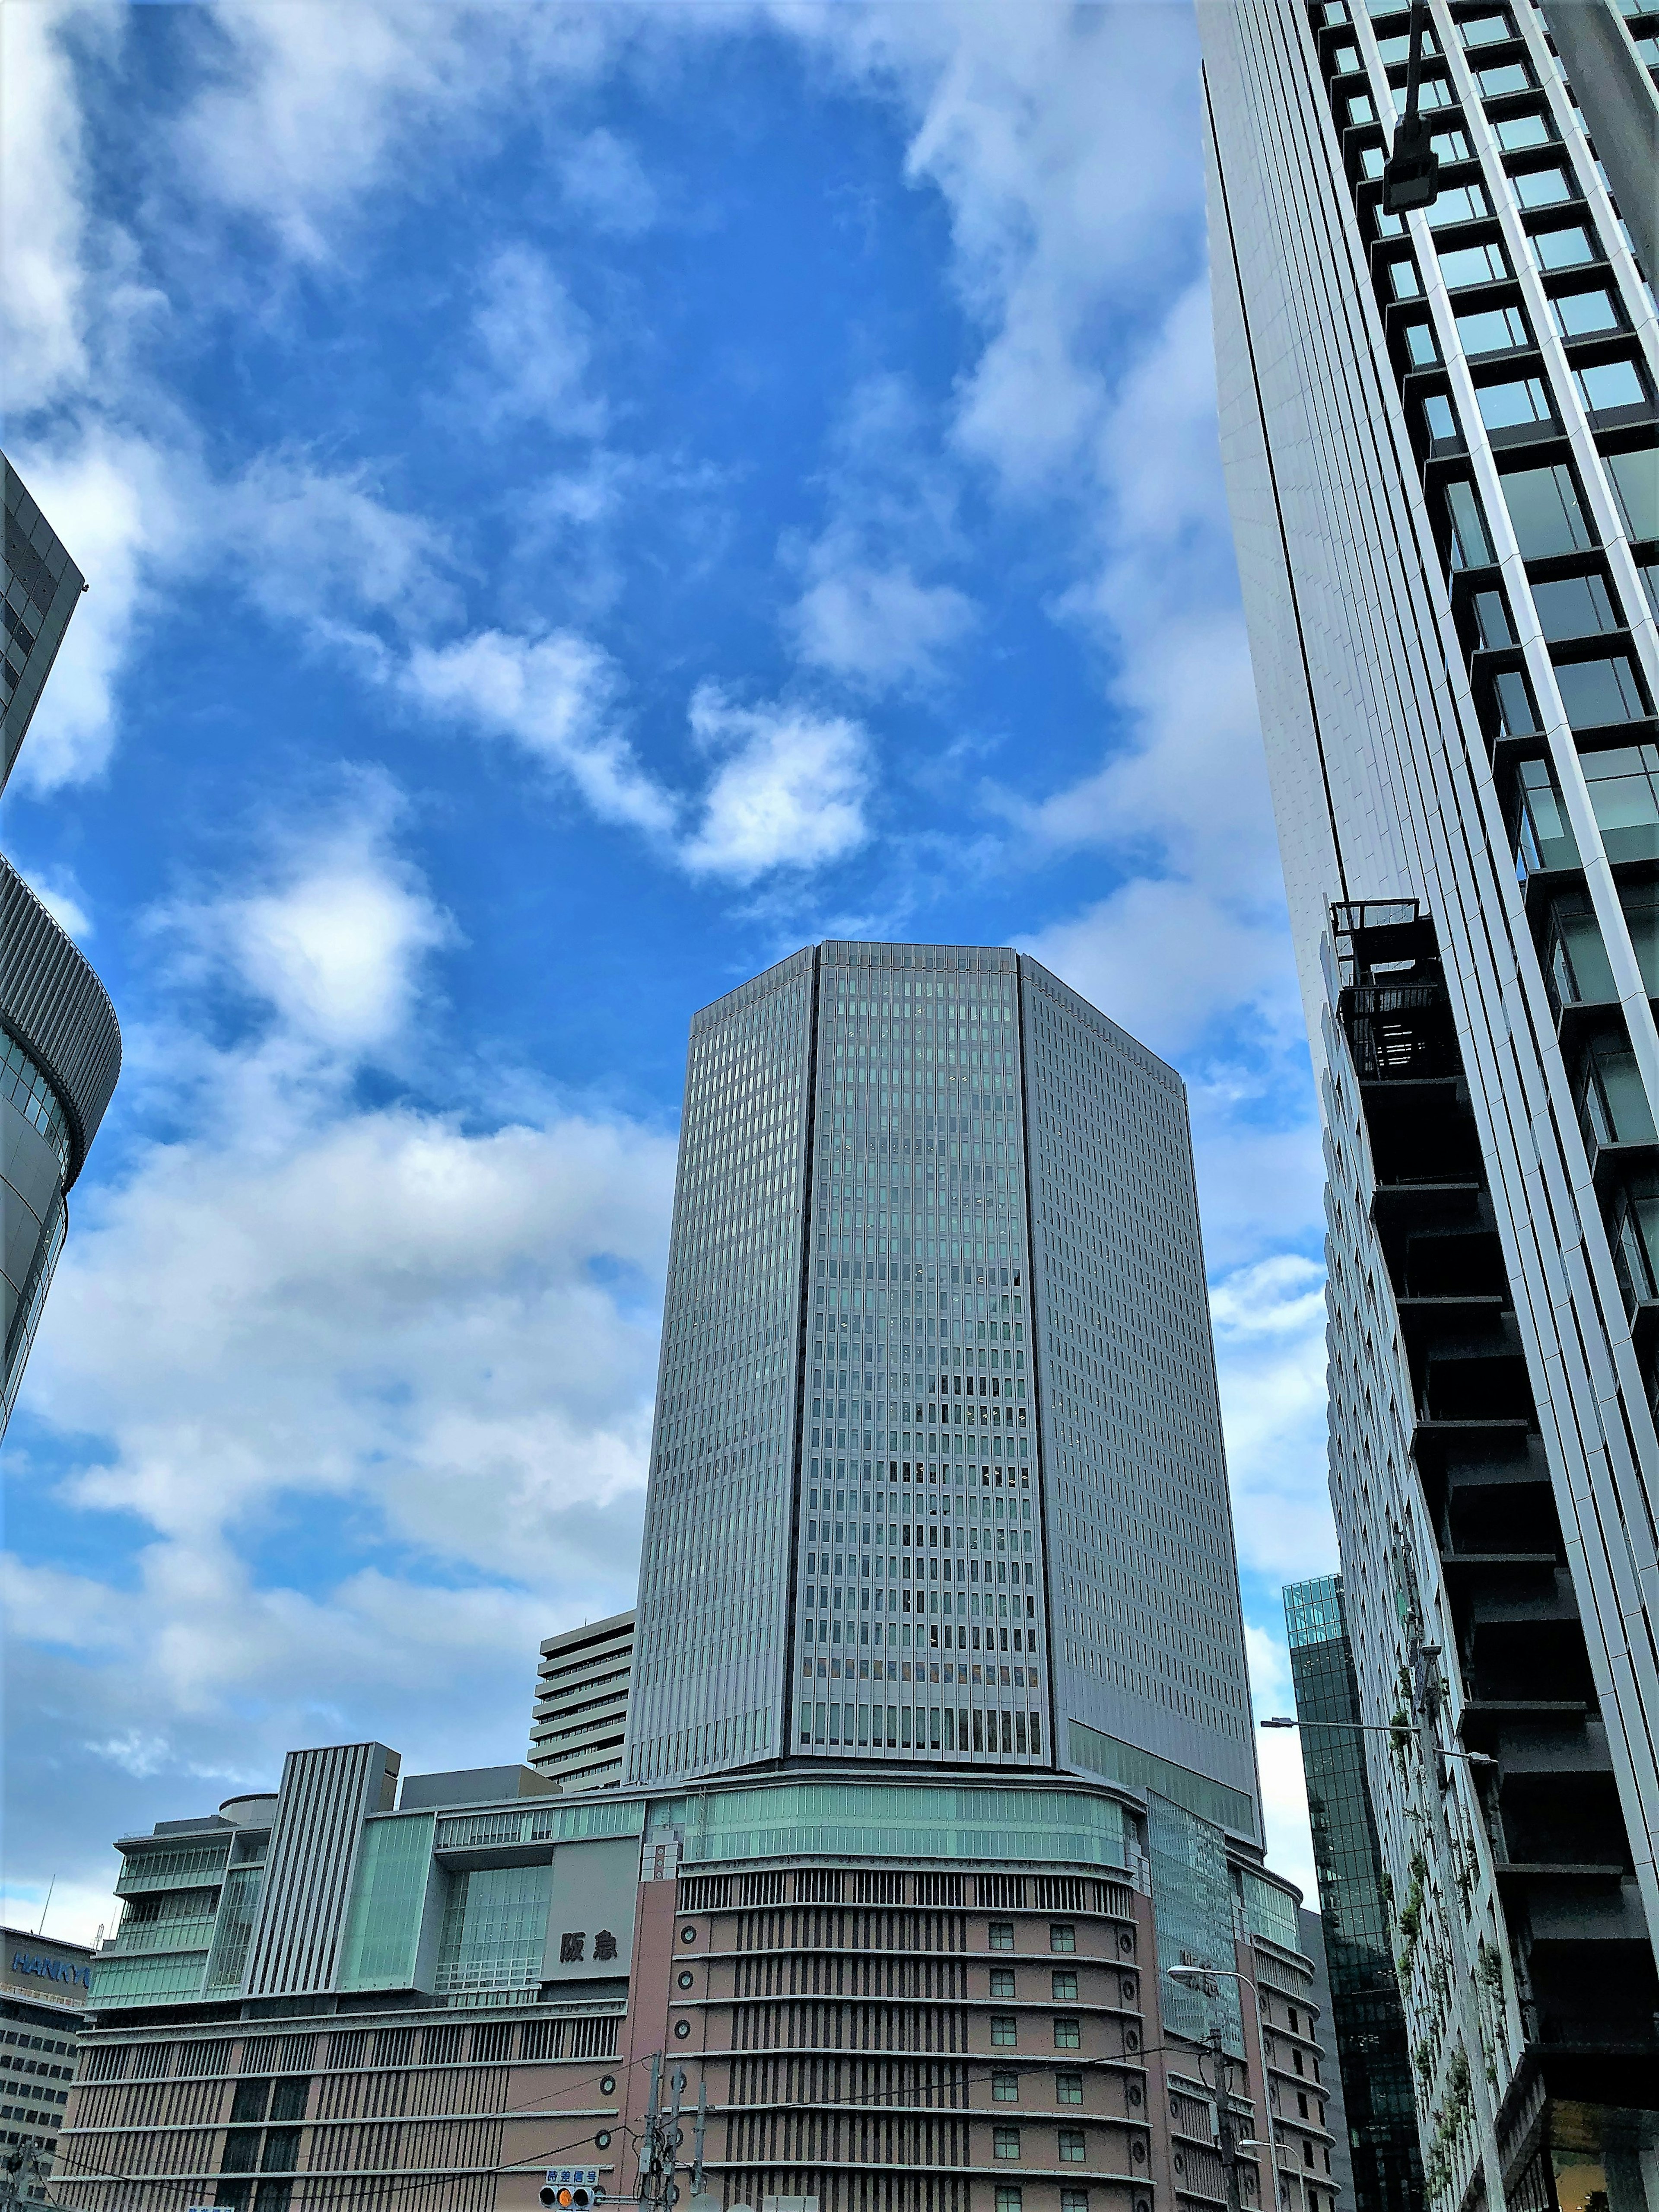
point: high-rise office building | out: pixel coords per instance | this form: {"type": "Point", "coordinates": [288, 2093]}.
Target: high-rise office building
{"type": "Point", "coordinates": [581, 1703]}
{"type": "Point", "coordinates": [60, 1045]}
{"type": "Point", "coordinates": [937, 1478]}
{"type": "Point", "coordinates": [935, 1872]}
{"type": "Point", "coordinates": [1367, 2020]}
{"type": "Point", "coordinates": [1439, 435]}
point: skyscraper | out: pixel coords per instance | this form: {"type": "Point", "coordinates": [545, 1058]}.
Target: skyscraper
{"type": "Point", "coordinates": [1367, 2023]}
{"type": "Point", "coordinates": [1438, 431]}
{"type": "Point", "coordinates": [938, 1476]}
{"type": "Point", "coordinates": [60, 1045]}
{"type": "Point", "coordinates": [935, 1872]}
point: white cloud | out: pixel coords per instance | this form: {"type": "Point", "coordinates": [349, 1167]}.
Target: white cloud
{"type": "Point", "coordinates": [789, 792]}
{"type": "Point", "coordinates": [323, 549]}
{"type": "Point", "coordinates": [1165, 957]}
{"type": "Point", "coordinates": [877, 625]}
{"type": "Point", "coordinates": [311, 107]}
{"type": "Point", "coordinates": [537, 344]}
{"type": "Point", "coordinates": [428, 1343]}
{"type": "Point", "coordinates": [335, 942]}
{"type": "Point", "coordinates": [114, 500]}
{"type": "Point", "coordinates": [43, 220]}
{"type": "Point", "coordinates": [553, 698]}
{"type": "Point", "coordinates": [1269, 1319]}
{"type": "Point", "coordinates": [603, 180]}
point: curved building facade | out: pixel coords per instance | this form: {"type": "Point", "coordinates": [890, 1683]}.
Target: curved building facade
{"type": "Point", "coordinates": [60, 1044]}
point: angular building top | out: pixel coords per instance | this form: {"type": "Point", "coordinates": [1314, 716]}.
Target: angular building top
{"type": "Point", "coordinates": [581, 1703]}
{"type": "Point", "coordinates": [937, 1478]}
{"type": "Point", "coordinates": [43, 588]}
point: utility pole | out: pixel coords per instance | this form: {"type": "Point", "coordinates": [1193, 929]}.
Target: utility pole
{"type": "Point", "coordinates": [1227, 2134]}
{"type": "Point", "coordinates": [703, 2122]}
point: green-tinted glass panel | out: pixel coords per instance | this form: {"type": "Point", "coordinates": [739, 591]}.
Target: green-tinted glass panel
{"type": "Point", "coordinates": [171, 1869]}
{"type": "Point", "coordinates": [574, 1824]}
{"type": "Point", "coordinates": [235, 1928]}
{"type": "Point", "coordinates": [494, 1929]}
{"type": "Point", "coordinates": [1193, 1912]}
{"type": "Point", "coordinates": [850, 1821]}
{"type": "Point", "coordinates": [1142, 1770]}
{"type": "Point", "coordinates": [384, 1931]}
{"type": "Point", "coordinates": [1270, 1913]}
{"type": "Point", "coordinates": [145, 1981]}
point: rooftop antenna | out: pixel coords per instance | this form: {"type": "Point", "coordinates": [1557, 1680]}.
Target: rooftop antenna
{"type": "Point", "coordinates": [46, 1907]}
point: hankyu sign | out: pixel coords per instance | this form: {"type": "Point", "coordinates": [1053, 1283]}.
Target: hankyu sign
{"type": "Point", "coordinates": [44, 1969]}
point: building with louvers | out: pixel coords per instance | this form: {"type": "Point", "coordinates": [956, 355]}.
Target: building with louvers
{"type": "Point", "coordinates": [1439, 435]}
{"type": "Point", "coordinates": [60, 1044]}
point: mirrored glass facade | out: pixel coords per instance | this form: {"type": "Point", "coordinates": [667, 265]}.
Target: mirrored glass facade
{"type": "Point", "coordinates": [937, 1472]}
{"type": "Point", "coordinates": [1366, 2016]}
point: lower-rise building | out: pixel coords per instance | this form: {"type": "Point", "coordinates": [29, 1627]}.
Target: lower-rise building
{"type": "Point", "coordinates": [43, 1995]}
{"type": "Point", "coordinates": [581, 1703]}
{"type": "Point", "coordinates": [1035, 1995]}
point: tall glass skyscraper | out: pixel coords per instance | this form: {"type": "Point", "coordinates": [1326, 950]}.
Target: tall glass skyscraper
{"type": "Point", "coordinates": [1366, 2017]}
{"type": "Point", "coordinates": [938, 1475]}
{"type": "Point", "coordinates": [1439, 434]}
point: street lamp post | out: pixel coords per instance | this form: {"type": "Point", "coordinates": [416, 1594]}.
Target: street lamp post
{"type": "Point", "coordinates": [1394, 1730]}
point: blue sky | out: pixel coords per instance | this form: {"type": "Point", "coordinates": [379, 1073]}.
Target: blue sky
{"type": "Point", "coordinates": [577, 503]}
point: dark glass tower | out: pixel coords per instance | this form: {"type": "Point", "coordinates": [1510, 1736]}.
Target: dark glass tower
{"type": "Point", "coordinates": [938, 1475]}
{"type": "Point", "coordinates": [1367, 2020]}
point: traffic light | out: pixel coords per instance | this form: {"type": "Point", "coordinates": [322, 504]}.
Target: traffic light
{"type": "Point", "coordinates": [572, 2196]}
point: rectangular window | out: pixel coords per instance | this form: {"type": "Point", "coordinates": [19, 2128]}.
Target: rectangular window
{"type": "Point", "coordinates": [1494, 330]}
{"type": "Point", "coordinates": [1439, 420]}
{"type": "Point", "coordinates": [1545, 511]}
{"type": "Point", "coordinates": [1521, 403]}
{"type": "Point", "coordinates": [1404, 280]}
{"type": "Point", "coordinates": [1459, 204]}
{"type": "Point", "coordinates": [1608, 384]}
{"type": "Point", "coordinates": [1568, 248]}
{"type": "Point", "coordinates": [1517, 717]}
{"type": "Point", "coordinates": [1498, 82]}
{"type": "Point", "coordinates": [1068, 2035]}
{"type": "Point", "coordinates": [1010, 2197]}
{"type": "Point", "coordinates": [1005, 2141]}
{"type": "Point", "coordinates": [1005, 2089]}
{"type": "Point", "coordinates": [1062, 1935]}
{"type": "Point", "coordinates": [1470, 548]}
{"type": "Point", "coordinates": [1580, 314]}
{"type": "Point", "coordinates": [1544, 837]}
{"type": "Point", "coordinates": [1463, 265]}
{"type": "Point", "coordinates": [1074, 2200]}
{"type": "Point", "coordinates": [1491, 30]}
{"type": "Point", "coordinates": [1004, 2030]}
{"type": "Point", "coordinates": [1491, 619]}
{"type": "Point", "coordinates": [1065, 1982]}
{"type": "Point", "coordinates": [1420, 347]}
{"type": "Point", "coordinates": [1068, 2088]}
{"type": "Point", "coordinates": [1071, 2145]}
{"type": "Point", "coordinates": [1635, 478]}
{"type": "Point", "coordinates": [1597, 693]}
{"type": "Point", "coordinates": [1002, 1981]}
{"type": "Point", "coordinates": [1515, 133]}
{"type": "Point", "coordinates": [1536, 188]}
{"type": "Point", "coordinates": [1577, 963]}
{"type": "Point", "coordinates": [1574, 606]}
{"type": "Point", "coordinates": [1002, 1935]}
